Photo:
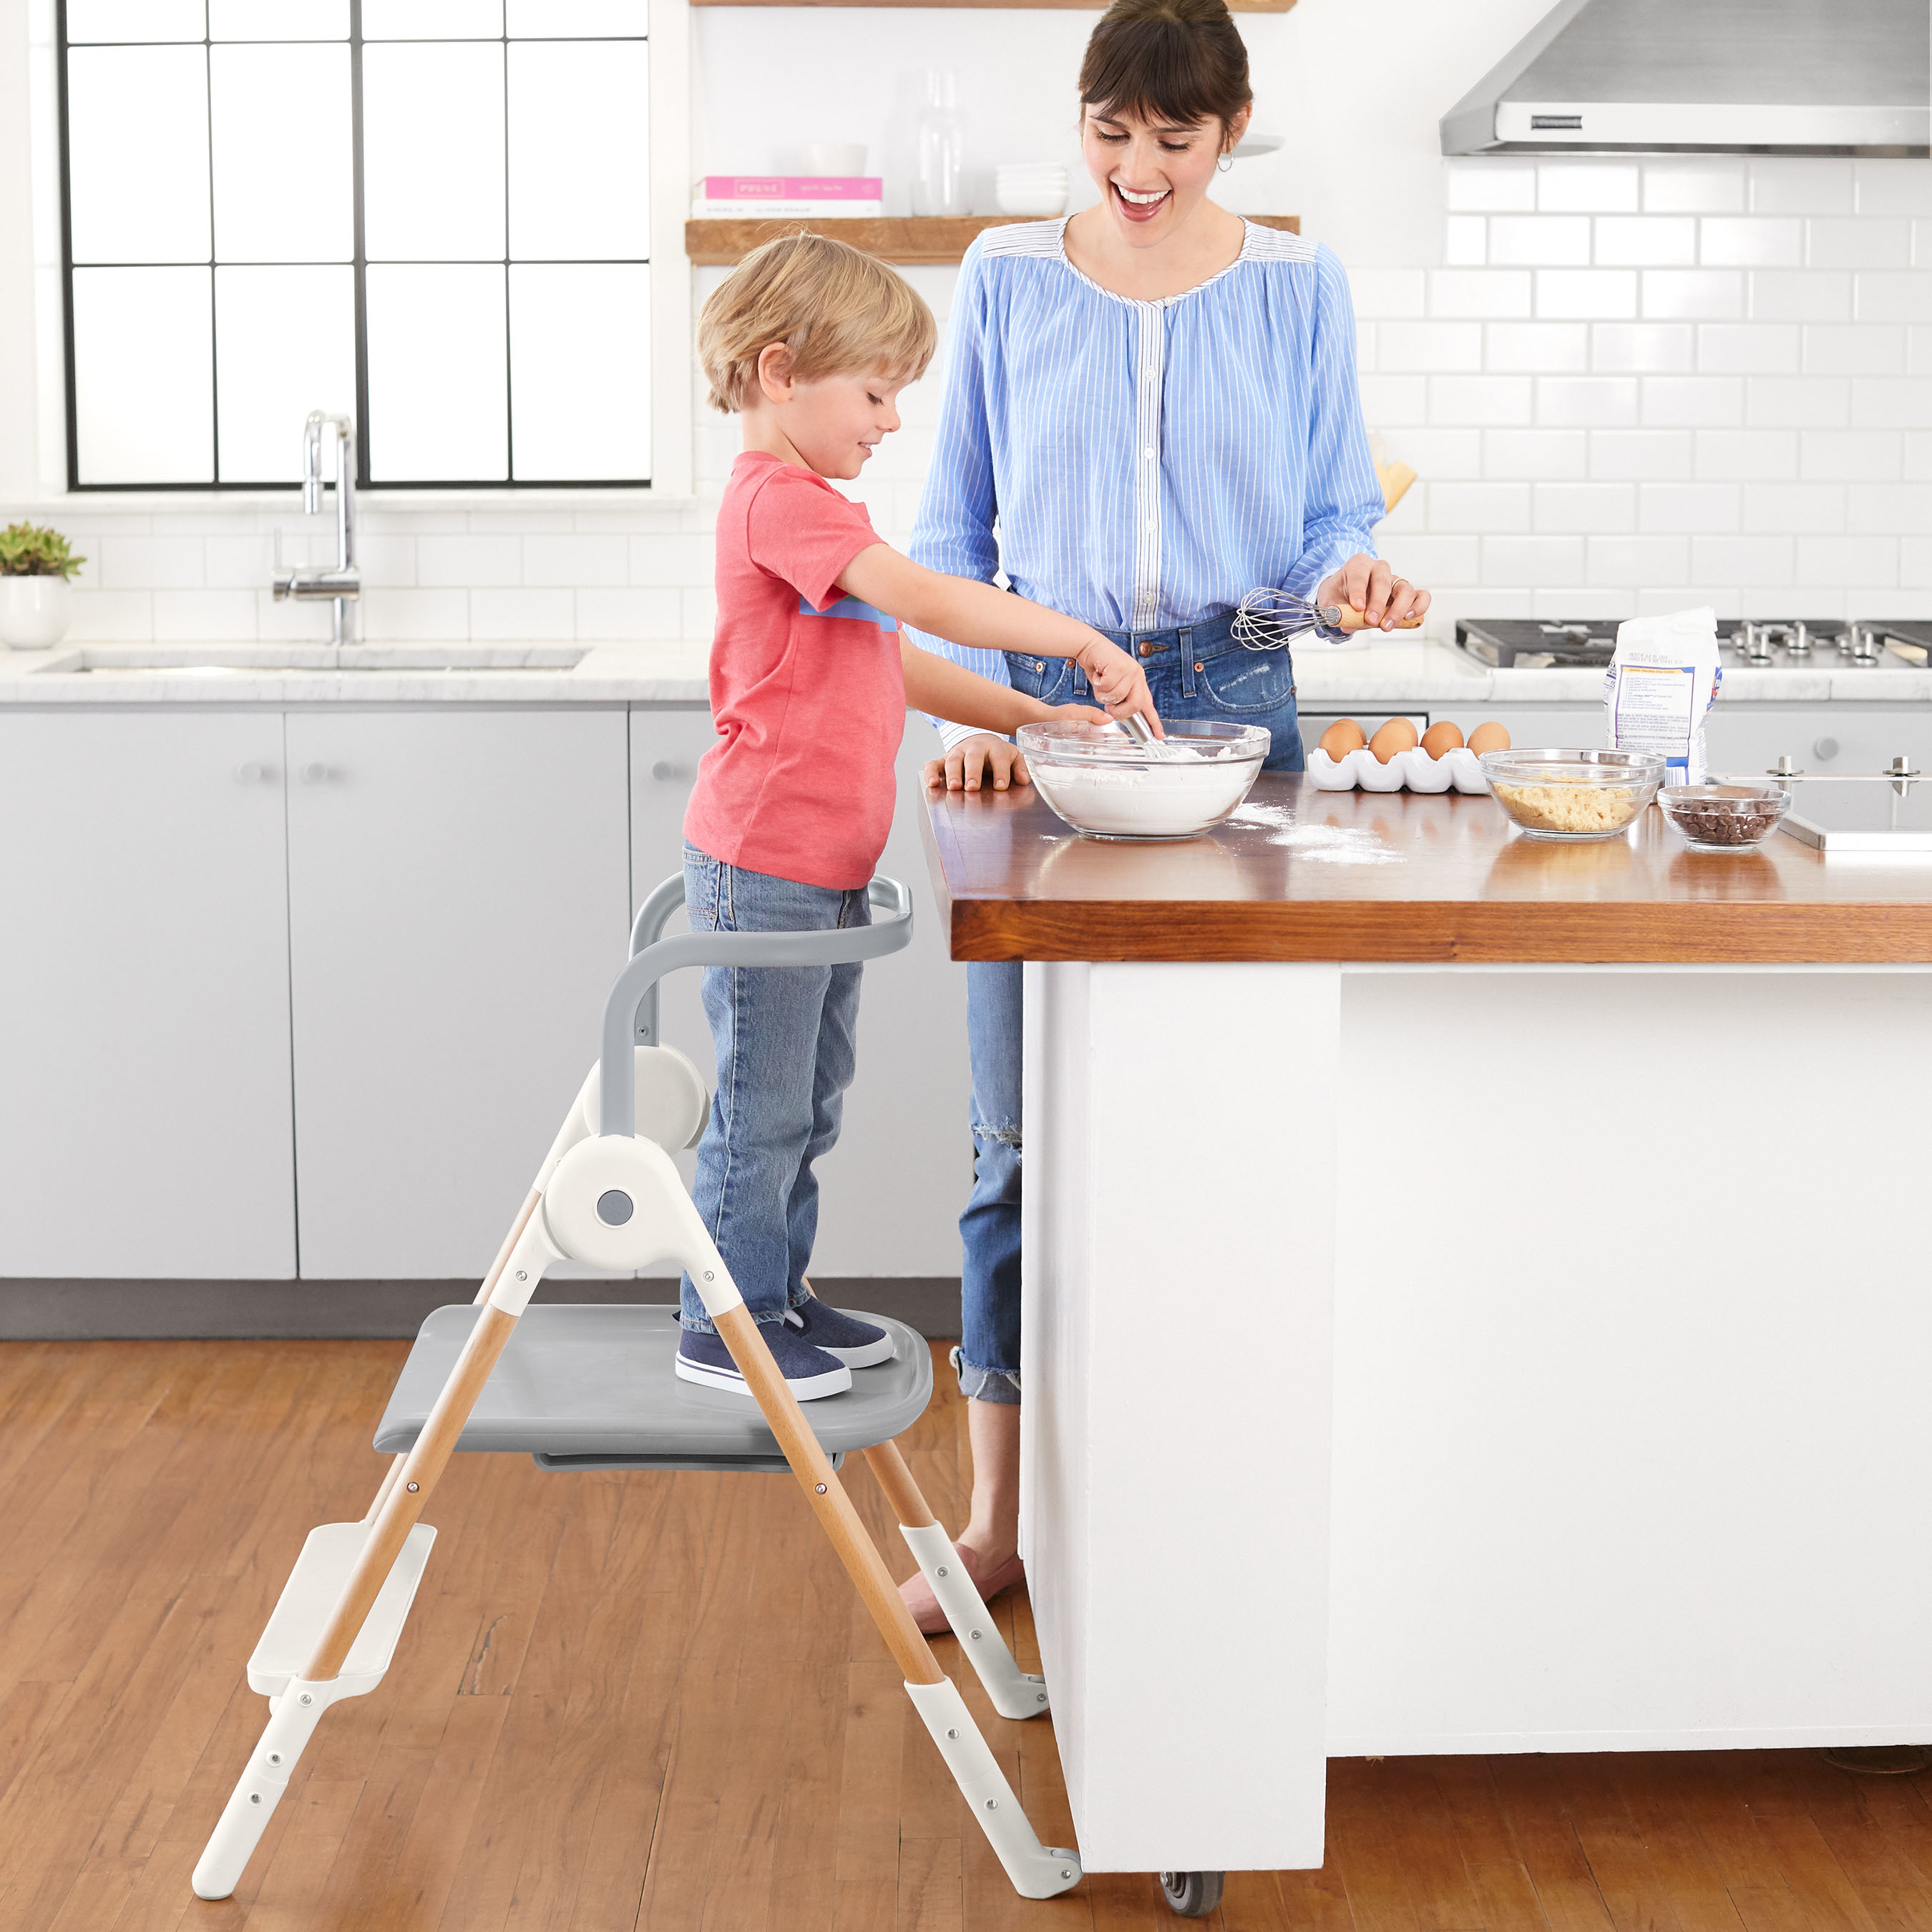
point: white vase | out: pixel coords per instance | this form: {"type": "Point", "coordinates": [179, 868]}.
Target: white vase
{"type": "Point", "coordinates": [35, 611]}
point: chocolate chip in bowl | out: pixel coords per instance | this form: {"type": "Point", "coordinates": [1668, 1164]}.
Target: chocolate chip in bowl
{"type": "Point", "coordinates": [1724, 818]}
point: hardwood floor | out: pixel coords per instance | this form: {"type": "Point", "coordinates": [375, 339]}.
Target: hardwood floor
{"type": "Point", "coordinates": [651, 1701]}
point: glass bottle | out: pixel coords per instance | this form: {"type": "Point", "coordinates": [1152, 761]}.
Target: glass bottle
{"type": "Point", "coordinates": [939, 184]}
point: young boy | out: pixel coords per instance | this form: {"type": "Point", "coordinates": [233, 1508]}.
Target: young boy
{"type": "Point", "coordinates": [810, 342]}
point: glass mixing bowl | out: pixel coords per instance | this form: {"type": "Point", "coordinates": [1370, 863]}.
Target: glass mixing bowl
{"type": "Point", "coordinates": [1725, 818]}
{"type": "Point", "coordinates": [1106, 786]}
{"type": "Point", "coordinates": [1569, 794]}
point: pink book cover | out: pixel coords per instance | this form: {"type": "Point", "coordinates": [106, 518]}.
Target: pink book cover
{"type": "Point", "coordinates": [794, 188]}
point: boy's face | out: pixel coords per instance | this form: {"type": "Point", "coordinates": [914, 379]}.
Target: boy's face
{"type": "Point", "coordinates": [835, 422]}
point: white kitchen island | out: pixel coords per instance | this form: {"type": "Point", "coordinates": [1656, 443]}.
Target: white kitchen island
{"type": "Point", "coordinates": [1475, 1298]}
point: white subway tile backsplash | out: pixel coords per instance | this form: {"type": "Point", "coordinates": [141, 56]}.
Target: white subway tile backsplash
{"type": "Point", "coordinates": [1743, 455]}
{"type": "Point", "coordinates": [1485, 186]}
{"type": "Point", "coordinates": [1855, 348]}
{"type": "Point", "coordinates": [240, 562]}
{"type": "Point", "coordinates": [1583, 509]}
{"type": "Point", "coordinates": [1898, 509]}
{"type": "Point", "coordinates": [1536, 454]}
{"type": "Point", "coordinates": [383, 559]}
{"type": "Point", "coordinates": [1395, 398]}
{"type": "Point", "coordinates": [521, 523]}
{"type": "Point", "coordinates": [402, 615]}
{"type": "Point", "coordinates": [1539, 241]}
{"type": "Point", "coordinates": [1851, 561]}
{"type": "Point", "coordinates": [147, 563]}
{"type": "Point", "coordinates": [576, 558]}
{"type": "Point", "coordinates": [1586, 402]}
{"type": "Point", "coordinates": [1465, 241]}
{"type": "Point", "coordinates": [1892, 402]}
{"type": "Point", "coordinates": [1641, 348]}
{"type": "Point", "coordinates": [1769, 507]}
{"type": "Point", "coordinates": [1857, 241]}
{"type": "Point", "coordinates": [1800, 402]}
{"type": "Point", "coordinates": [683, 560]}
{"type": "Point", "coordinates": [1592, 600]}
{"type": "Point", "coordinates": [1365, 345]}
{"type": "Point", "coordinates": [1894, 187]}
{"type": "Point", "coordinates": [1430, 347]}
{"type": "Point", "coordinates": [1447, 453]}
{"type": "Point", "coordinates": [1693, 295]}
{"type": "Point", "coordinates": [1693, 402]}
{"type": "Point", "coordinates": [603, 613]}
{"type": "Point", "coordinates": [1587, 188]}
{"type": "Point", "coordinates": [1748, 348]}
{"type": "Point", "coordinates": [1432, 560]}
{"type": "Point", "coordinates": [1742, 560]}
{"type": "Point", "coordinates": [1534, 561]}
{"type": "Point", "coordinates": [1851, 456]}
{"type": "Point", "coordinates": [1646, 240]}
{"type": "Point", "coordinates": [1479, 294]}
{"type": "Point", "coordinates": [467, 561]}
{"type": "Point", "coordinates": [1791, 295]}
{"type": "Point", "coordinates": [1478, 507]}
{"type": "Point", "coordinates": [1537, 348]}
{"type": "Point", "coordinates": [1634, 561]}
{"type": "Point", "coordinates": [1690, 508]}
{"type": "Point", "coordinates": [1921, 245]}
{"type": "Point", "coordinates": [1378, 293]}
{"type": "Point", "coordinates": [112, 616]}
{"type": "Point", "coordinates": [1882, 295]}
{"type": "Point", "coordinates": [204, 616]}
{"type": "Point", "coordinates": [1819, 184]}
{"type": "Point", "coordinates": [1641, 455]}
{"type": "Point", "coordinates": [291, 623]}
{"type": "Point", "coordinates": [1729, 241]}
{"type": "Point", "coordinates": [1914, 570]}
{"type": "Point", "coordinates": [1585, 295]}
{"type": "Point", "coordinates": [522, 613]}
{"type": "Point", "coordinates": [1478, 400]}
{"type": "Point", "coordinates": [1660, 600]}
{"type": "Point", "coordinates": [1715, 186]}
{"type": "Point", "coordinates": [700, 610]}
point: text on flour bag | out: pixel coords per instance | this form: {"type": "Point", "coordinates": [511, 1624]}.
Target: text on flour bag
{"type": "Point", "coordinates": [1664, 677]}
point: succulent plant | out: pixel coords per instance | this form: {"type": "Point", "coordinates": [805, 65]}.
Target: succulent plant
{"type": "Point", "coordinates": [25, 551]}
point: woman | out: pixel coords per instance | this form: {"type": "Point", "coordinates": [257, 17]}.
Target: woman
{"type": "Point", "coordinates": [1157, 402]}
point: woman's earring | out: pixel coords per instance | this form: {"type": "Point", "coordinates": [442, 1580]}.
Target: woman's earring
{"type": "Point", "coordinates": [1227, 161]}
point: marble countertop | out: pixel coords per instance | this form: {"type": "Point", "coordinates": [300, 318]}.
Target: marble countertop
{"type": "Point", "coordinates": [1387, 674]}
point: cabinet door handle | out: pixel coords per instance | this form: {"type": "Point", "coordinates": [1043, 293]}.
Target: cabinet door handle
{"type": "Point", "coordinates": [665, 768]}
{"type": "Point", "coordinates": [1825, 749]}
{"type": "Point", "coordinates": [254, 772]}
{"type": "Point", "coordinates": [316, 774]}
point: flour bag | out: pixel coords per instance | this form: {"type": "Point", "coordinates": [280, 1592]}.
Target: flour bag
{"type": "Point", "coordinates": [1664, 677]}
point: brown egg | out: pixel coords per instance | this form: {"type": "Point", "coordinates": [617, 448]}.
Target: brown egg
{"type": "Point", "coordinates": [1490, 737]}
{"type": "Point", "coordinates": [1397, 735]}
{"type": "Point", "coordinates": [1440, 738]}
{"type": "Point", "coordinates": [1341, 737]}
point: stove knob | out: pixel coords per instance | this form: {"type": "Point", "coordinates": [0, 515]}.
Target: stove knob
{"type": "Point", "coordinates": [1825, 750]}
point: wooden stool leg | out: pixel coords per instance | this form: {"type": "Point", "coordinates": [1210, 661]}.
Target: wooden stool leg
{"type": "Point", "coordinates": [1036, 1870]}
{"type": "Point", "coordinates": [1014, 1693]}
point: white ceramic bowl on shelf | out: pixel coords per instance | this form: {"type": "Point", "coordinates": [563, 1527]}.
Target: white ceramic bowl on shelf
{"type": "Point", "coordinates": [1033, 201]}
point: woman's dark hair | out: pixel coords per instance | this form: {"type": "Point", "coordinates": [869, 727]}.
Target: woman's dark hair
{"type": "Point", "coordinates": [1174, 62]}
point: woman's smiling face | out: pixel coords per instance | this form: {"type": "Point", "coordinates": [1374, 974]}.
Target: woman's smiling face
{"type": "Point", "coordinates": [1152, 175]}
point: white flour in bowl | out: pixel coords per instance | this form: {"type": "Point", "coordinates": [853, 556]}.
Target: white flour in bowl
{"type": "Point", "coordinates": [1176, 795]}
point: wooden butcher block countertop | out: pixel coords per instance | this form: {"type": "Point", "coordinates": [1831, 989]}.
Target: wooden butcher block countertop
{"type": "Point", "coordinates": [1303, 874]}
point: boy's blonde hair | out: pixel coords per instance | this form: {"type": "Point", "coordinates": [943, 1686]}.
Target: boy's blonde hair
{"type": "Point", "coordinates": [840, 312]}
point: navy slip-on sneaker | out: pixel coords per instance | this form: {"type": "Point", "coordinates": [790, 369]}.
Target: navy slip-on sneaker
{"type": "Point", "coordinates": [809, 1372]}
{"type": "Point", "coordinates": [859, 1344]}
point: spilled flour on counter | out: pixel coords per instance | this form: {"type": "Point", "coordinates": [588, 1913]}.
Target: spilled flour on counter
{"type": "Point", "coordinates": [1329, 845]}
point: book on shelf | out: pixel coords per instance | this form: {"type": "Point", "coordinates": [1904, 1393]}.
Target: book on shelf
{"type": "Point", "coordinates": [785, 211]}
{"type": "Point", "coordinates": [790, 188]}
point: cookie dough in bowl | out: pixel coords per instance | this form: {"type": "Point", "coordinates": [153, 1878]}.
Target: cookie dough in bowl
{"type": "Point", "coordinates": [1106, 786]}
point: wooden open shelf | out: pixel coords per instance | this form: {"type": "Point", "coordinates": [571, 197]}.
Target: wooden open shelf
{"type": "Point", "coordinates": [911, 240]}
{"type": "Point", "coordinates": [1233, 6]}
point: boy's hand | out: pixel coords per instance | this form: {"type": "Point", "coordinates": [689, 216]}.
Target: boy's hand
{"type": "Point", "coordinates": [996, 763]}
{"type": "Point", "coordinates": [1118, 681]}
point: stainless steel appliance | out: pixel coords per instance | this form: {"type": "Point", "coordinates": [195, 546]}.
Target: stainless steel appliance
{"type": "Point", "coordinates": [1757, 643]}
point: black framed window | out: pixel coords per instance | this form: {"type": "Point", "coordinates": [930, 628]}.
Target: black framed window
{"type": "Point", "coordinates": [431, 215]}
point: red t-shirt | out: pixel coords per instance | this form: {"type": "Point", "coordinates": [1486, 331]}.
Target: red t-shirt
{"type": "Point", "coordinates": [807, 690]}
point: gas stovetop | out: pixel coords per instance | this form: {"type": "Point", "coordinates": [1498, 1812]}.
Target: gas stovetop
{"type": "Point", "coordinates": [1788, 643]}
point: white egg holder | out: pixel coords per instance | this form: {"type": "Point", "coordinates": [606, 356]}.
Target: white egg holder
{"type": "Point", "coordinates": [1413, 770]}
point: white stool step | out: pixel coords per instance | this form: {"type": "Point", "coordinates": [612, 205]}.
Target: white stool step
{"type": "Point", "coordinates": [314, 1588]}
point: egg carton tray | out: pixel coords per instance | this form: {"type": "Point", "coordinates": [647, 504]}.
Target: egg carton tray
{"type": "Point", "coordinates": [1412, 770]}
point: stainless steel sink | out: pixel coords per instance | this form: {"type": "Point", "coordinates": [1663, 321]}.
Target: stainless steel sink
{"type": "Point", "coordinates": [311, 660]}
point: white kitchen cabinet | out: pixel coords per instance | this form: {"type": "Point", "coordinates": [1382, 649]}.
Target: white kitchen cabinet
{"type": "Point", "coordinates": [145, 1103]}
{"type": "Point", "coordinates": [1837, 737]}
{"type": "Point", "coordinates": [892, 1188]}
{"type": "Point", "coordinates": [458, 886]}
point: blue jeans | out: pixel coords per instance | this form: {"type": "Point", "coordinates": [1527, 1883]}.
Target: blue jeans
{"type": "Point", "coordinates": [1199, 672]}
{"type": "Point", "coordinates": [783, 1038]}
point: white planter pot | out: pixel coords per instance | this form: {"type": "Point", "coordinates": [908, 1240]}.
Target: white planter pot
{"type": "Point", "coordinates": [35, 611]}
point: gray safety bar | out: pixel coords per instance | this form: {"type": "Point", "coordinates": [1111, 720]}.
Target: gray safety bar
{"type": "Point", "coordinates": [631, 1012]}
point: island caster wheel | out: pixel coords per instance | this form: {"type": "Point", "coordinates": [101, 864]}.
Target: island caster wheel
{"type": "Point", "coordinates": [1191, 1894]}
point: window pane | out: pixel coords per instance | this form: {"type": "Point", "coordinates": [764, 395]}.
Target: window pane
{"type": "Point", "coordinates": [144, 407]}
{"type": "Point", "coordinates": [437, 408]}
{"type": "Point", "coordinates": [133, 20]}
{"type": "Point", "coordinates": [278, 19]}
{"type": "Point", "coordinates": [432, 151]}
{"type": "Point", "coordinates": [575, 19]}
{"type": "Point", "coordinates": [282, 194]}
{"type": "Point", "coordinates": [580, 150]}
{"type": "Point", "coordinates": [285, 344]}
{"type": "Point", "coordinates": [580, 372]}
{"type": "Point", "coordinates": [431, 19]}
{"type": "Point", "coordinates": [137, 141]}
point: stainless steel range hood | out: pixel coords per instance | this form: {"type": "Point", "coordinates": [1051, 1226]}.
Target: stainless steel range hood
{"type": "Point", "coordinates": [1761, 76]}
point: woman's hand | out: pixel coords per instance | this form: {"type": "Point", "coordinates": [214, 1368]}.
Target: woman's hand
{"type": "Point", "coordinates": [997, 763]}
{"type": "Point", "coordinates": [1118, 681]}
{"type": "Point", "coordinates": [1367, 583]}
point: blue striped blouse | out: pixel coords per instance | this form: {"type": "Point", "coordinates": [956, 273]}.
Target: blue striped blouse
{"type": "Point", "coordinates": [1146, 463]}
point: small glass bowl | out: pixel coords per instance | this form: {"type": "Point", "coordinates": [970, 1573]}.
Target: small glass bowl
{"type": "Point", "coordinates": [1725, 818]}
{"type": "Point", "coordinates": [1571, 795]}
{"type": "Point", "coordinates": [1106, 786]}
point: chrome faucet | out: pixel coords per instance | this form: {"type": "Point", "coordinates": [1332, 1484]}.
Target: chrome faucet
{"type": "Point", "coordinates": [341, 582]}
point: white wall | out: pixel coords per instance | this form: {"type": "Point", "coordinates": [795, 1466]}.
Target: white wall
{"type": "Point", "coordinates": [1625, 385]}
